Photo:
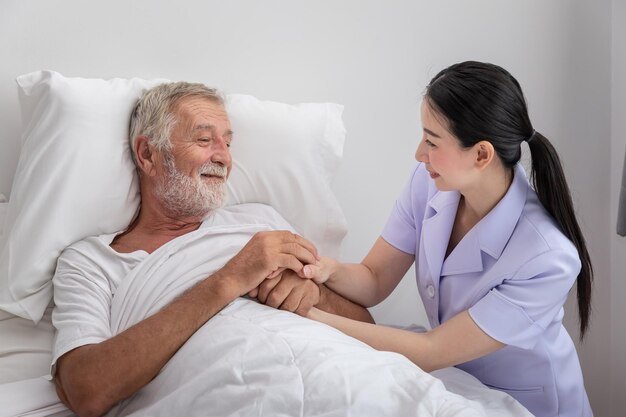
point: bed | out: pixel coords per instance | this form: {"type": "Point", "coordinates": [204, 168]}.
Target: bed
{"type": "Point", "coordinates": [75, 178]}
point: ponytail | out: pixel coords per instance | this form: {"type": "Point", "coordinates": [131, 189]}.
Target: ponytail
{"type": "Point", "coordinates": [551, 187]}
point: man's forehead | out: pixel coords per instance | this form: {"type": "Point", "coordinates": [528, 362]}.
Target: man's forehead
{"type": "Point", "coordinates": [193, 101]}
{"type": "Point", "coordinates": [208, 126]}
{"type": "Point", "coordinates": [205, 109]}
{"type": "Point", "coordinates": [204, 126]}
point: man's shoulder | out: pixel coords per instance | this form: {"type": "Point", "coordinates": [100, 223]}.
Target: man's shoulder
{"type": "Point", "coordinates": [88, 247]}
{"type": "Point", "coordinates": [249, 213]}
{"type": "Point", "coordinates": [90, 242]}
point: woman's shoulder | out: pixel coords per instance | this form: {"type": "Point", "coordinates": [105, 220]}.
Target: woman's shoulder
{"type": "Point", "coordinates": [540, 230]}
{"type": "Point", "coordinates": [538, 247]}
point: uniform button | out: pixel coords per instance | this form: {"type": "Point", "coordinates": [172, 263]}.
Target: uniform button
{"type": "Point", "coordinates": [430, 290]}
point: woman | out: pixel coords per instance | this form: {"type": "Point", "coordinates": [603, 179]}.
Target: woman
{"type": "Point", "coordinates": [494, 259]}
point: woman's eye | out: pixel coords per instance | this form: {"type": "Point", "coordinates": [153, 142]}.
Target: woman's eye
{"type": "Point", "coordinates": [429, 143]}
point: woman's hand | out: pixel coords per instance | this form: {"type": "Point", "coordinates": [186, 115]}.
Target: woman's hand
{"type": "Point", "coordinates": [321, 270]}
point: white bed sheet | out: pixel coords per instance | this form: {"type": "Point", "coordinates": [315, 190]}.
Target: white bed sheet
{"type": "Point", "coordinates": [36, 397]}
{"type": "Point", "coordinates": [25, 347]}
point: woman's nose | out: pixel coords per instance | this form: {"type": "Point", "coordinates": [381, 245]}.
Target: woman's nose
{"type": "Point", "coordinates": [421, 153]}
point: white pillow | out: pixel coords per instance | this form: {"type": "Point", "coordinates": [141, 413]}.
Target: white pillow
{"type": "Point", "coordinates": [75, 177]}
{"type": "Point", "coordinates": [287, 156]}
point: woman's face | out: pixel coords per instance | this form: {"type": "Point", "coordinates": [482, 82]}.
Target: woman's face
{"type": "Point", "coordinates": [449, 164]}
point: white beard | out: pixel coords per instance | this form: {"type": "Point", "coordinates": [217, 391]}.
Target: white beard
{"type": "Point", "coordinates": [185, 196]}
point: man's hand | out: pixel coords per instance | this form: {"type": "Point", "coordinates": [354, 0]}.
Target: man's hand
{"type": "Point", "coordinates": [288, 292]}
{"type": "Point", "coordinates": [294, 293]}
{"type": "Point", "coordinates": [267, 255]}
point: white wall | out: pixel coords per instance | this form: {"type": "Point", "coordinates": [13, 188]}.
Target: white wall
{"type": "Point", "coordinates": [618, 244]}
{"type": "Point", "coordinates": [375, 57]}
{"type": "Point", "coordinates": [584, 132]}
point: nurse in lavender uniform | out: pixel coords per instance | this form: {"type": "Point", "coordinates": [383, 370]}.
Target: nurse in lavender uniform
{"type": "Point", "coordinates": [495, 254]}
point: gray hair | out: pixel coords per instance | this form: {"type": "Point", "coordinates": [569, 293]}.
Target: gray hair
{"type": "Point", "coordinates": [154, 113]}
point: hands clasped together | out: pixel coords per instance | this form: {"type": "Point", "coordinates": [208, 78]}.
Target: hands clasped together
{"type": "Point", "coordinates": [280, 269]}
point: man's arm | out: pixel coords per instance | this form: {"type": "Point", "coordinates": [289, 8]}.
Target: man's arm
{"type": "Point", "coordinates": [92, 378]}
{"type": "Point", "coordinates": [331, 302]}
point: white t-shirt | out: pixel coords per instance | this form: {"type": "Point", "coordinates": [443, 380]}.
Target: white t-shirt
{"type": "Point", "coordinates": [89, 272]}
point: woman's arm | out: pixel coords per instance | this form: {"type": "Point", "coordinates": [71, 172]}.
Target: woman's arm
{"type": "Point", "coordinates": [366, 283]}
{"type": "Point", "coordinates": [456, 341]}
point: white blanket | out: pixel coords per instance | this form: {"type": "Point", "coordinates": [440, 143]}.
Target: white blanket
{"type": "Point", "coordinates": [252, 360]}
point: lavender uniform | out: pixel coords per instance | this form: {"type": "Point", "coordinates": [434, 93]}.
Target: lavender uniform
{"type": "Point", "coordinates": [512, 271]}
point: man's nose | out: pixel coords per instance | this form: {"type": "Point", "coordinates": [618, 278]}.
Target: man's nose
{"type": "Point", "coordinates": [221, 152]}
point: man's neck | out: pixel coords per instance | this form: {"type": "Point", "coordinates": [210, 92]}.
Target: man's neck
{"type": "Point", "coordinates": [152, 229]}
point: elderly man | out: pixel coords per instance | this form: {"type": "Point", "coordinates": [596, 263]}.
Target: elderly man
{"type": "Point", "coordinates": [180, 138]}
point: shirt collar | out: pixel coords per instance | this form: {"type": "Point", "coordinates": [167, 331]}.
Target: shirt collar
{"type": "Point", "coordinates": [495, 229]}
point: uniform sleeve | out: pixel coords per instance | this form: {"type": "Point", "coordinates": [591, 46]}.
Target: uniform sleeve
{"type": "Point", "coordinates": [404, 223]}
{"type": "Point", "coordinates": [82, 297]}
{"type": "Point", "coordinates": [518, 311]}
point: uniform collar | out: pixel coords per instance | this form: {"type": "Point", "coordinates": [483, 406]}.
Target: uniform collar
{"type": "Point", "coordinates": [495, 229]}
{"type": "Point", "coordinates": [489, 235]}
{"type": "Point", "coordinates": [436, 229]}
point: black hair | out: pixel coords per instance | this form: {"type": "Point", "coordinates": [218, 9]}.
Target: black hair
{"type": "Point", "coordinates": [481, 101]}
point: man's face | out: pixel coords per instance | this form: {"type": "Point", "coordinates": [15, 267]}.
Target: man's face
{"type": "Point", "coordinates": [194, 173]}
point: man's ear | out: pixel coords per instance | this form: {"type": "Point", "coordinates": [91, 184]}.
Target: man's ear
{"type": "Point", "coordinates": [145, 155]}
{"type": "Point", "coordinates": [485, 152]}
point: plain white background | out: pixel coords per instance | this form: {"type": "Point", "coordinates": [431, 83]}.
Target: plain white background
{"type": "Point", "coordinates": [374, 57]}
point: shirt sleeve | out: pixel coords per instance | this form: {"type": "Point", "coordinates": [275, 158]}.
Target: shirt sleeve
{"type": "Point", "coordinates": [82, 297]}
{"type": "Point", "coordinates": [518, 311]}
{"type": "Point", "coordinates": [405, 221]}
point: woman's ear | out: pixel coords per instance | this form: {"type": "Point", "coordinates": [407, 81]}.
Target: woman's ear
{"type": "Point", "coordinates": [145, 155]}
{"type": "Point", "coordinates": [485, 152]}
